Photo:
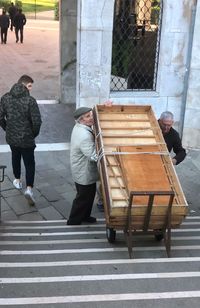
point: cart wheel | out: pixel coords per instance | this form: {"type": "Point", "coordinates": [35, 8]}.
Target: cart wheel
{"type": "Point", "coordinates": [111, 235]}
{"type": "Point", "coordinates": [159, 237]}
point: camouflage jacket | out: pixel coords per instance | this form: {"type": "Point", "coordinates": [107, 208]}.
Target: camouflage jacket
{"type": "Point", "coordinates": [20, 117]}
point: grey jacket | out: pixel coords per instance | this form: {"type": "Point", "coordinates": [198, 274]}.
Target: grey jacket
{"type": "Point", "coordinates": [82, 155]}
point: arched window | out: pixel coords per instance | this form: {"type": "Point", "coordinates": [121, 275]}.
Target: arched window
{"type": "Point", "coordinates": [135, 47]}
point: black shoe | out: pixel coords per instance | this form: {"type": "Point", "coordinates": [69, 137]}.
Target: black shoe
{"type": "Point", "coordinates": [72, 223]}
{"type": "Point", "coordinates": [90, 219]}
{"type": "Point", "coordinates": [17, 41]}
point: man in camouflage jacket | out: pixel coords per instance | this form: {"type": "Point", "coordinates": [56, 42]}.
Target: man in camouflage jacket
{"type": "Point", "coordinates": [20, 118]}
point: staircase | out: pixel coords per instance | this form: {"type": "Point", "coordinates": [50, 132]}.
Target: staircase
{"type": "Point", "coordinates": [49, 264]}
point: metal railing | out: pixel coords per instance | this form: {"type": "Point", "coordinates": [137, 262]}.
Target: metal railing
{"type": "Point", "coordinates": [2, 173]}
{"type": "Point", "coordinates": [135, 48]}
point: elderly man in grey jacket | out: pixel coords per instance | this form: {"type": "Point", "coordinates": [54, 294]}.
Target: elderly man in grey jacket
{"type": "Point", "coordinates": [83, 166]}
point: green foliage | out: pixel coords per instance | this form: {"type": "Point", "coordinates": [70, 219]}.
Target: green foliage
{"type": "Point", "coordinates": [56, 11]}
{"type": "Point", "coordinates": [4, 4]}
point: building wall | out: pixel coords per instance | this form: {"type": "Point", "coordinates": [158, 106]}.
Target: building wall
{"type": "Point", "coordinates": [68, 37]}
{"type": "Point", "coordinates": [94, 49]}
{"type": "Point", "coordinates": [191, 130]}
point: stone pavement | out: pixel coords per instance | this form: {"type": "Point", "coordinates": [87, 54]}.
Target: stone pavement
{"type": "Point", "coordinates": [54, 189]}
{"type": "Point", "coordinates": [38, 57]}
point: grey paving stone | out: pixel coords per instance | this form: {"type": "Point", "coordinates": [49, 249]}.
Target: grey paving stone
{"type": "Point", "coordinates": [46, 174]}
{"type": "Point", "coordinates": [31, 216]}
{"type": "Point", "coordinates": [69, 197]}
{"type": "Point", "coordinates": [50, 194]}
{"type": "Point", "coordinates": [6, 184]}
{"type": "Point", "coordinates": [4, 205]}
{"type": "Point", "coordinates": [66, 188]}
{"type": "Point", "coordinates": [11, 192]}
{"type": "Point", "coordinates": [56, 180]}
{"type": "Point", "coordinates": [50, 213]}
{"type": "Point", "coordinates": [8, 215]}
{"type": "Point", "coordinates": [39, 185]}
{"type": "Point", "coordinates": [20, 205]}
{"type": "Point", "coordinates": [42, 202]}
{"type": "Point", "coordinates": [63, 207]}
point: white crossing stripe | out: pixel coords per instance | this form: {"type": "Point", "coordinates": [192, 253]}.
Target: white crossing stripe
{"type": "Point", "coordinates": [98, 298]}
{"type": "Point", "coordinates": [98, 262]}
{"type": "Point", "coordinates": [89, 240]}
{"type": "Point", "coordinates": [11, 222]}
{"type": "Point", "coordinates": [67, 233]}
{"type": "Point", "coordinates": [81, 278]}
{"type": "Point", "coordinates": [50, 227]}
{"type": "Point", "coordinates": [4, 227]}
{"type": "Point", "coordinates": [41, 147]}
{"type": "Point", "coordinates": [92, 250]}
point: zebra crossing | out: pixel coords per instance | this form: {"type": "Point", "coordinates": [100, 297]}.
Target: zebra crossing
{"type": "Point", "coordinates": [50, 264]}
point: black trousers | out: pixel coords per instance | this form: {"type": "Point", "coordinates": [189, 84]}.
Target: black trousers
{"type": "Point", "coordinates": [29, 162]}
{"type": "Point", "coordinates": [17, 31]}
{"type": "Point", "coordinates": [4, 32]}
{"type": "Point", "coordinates": [82, 204]}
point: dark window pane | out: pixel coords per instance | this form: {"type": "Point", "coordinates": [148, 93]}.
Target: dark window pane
{"type": "Point", "coordinates": [136, 34]}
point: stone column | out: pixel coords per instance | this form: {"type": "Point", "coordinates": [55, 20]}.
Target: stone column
{"type": "Point", "coordinates": [94, 51]}
{"type": "Point", "coordinates": [68, 31]}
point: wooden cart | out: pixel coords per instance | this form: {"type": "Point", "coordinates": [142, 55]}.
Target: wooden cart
{"type": "Point", "coordinates": [140, 188]}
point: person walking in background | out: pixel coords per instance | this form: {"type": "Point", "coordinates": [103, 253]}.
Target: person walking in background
{"type": "Point", "coordinates": [19, 22]}
{"type": "Point", "coordinates": [20, 118]}
{"type": "Point", "coordinates": [12, 10]}
{"type": "Point", "coordinates": [4, 25]}
{"type": "Point", "coordinates": [171, 137]}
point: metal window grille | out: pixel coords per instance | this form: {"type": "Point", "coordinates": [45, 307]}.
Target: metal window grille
{"type": "Point", "coordinates": [135, 47]}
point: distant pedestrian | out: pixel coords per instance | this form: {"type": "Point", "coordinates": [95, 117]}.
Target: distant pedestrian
{"type": "Point", "coordinates": [12, 10]}
{"type": "Point", "coordinates": [4, 25]}
{"type": "Point", "coordinates": [19, 22]}
{"type": "Point", "coordinates": [20, 118]}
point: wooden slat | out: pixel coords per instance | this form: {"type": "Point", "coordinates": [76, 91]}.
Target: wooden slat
{"type": "Point", "coordinates": [123, 117]}
{"type": "Point", "coordinates": [116, 142]}
{"type": "Point", "coordinates": [125, 125]}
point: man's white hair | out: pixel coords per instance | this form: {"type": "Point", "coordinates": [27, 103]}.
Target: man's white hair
{"type": "Point", "coordinates": [167, 115]}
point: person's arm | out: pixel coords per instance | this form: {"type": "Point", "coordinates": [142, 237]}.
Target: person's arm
{"type": "Point", "coordinates": [2, 116]}
{"type": "Point", "coordinates": [35, 117]}
{"type": "Point", "coordinates": [24, 20]}
{"type": "Point", "coordinates": [87, 147]}
{"type": "Point", "coordinates": [178, 150]}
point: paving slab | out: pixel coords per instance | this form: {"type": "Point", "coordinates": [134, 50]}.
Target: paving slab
{"type": "Point", "coordinates": [50, 213]}
{"type": "Point", "coordinates": [20, 205]}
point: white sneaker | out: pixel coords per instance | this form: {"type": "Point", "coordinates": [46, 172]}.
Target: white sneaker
{"type": "Point", "coordinates": [17, 184]}
{"type": "Point", "coordinates": [29, 196]}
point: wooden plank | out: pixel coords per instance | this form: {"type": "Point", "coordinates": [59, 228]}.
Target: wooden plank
{"type": "Point", "coordinates": [143, 172]}
{"type": "Point", "coordinates": [132, 133]}
{"type": "Point", "coordinates": [157, 210]}
{"type": "Point", "coordinates": [125, 124]}
{"type": "Point", "coordinates": [117, 142]}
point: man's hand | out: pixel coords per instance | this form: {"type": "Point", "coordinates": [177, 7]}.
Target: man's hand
{"type": "Point", "coordinates": [107, 103]}
{"type": "Point", "coordinates": [174, 161]}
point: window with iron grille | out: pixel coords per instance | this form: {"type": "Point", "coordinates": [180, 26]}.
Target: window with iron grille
{"type": "Point", "coordinates": [135, 47]}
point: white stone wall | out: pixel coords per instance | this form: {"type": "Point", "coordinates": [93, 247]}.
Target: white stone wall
{"type": "Point", "coordinates": [191, 131]}
{"type": "Point", "coordinates": [94, 44]}
{"type": "Point", "coordinates": [95, 22]}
